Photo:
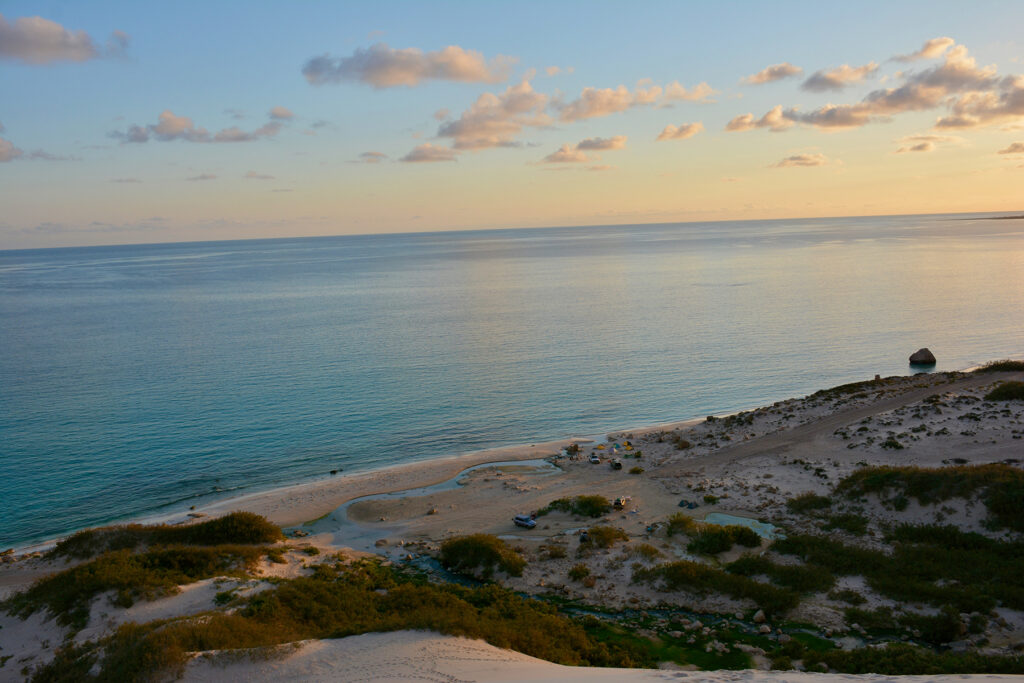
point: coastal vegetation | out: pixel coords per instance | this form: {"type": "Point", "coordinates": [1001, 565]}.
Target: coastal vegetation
{"type": "Point", "coordinates": [999, 486]}
{"type": "Point", "coordinates": [479, 555]}
{"type": "Point", "coordinates": [339, 600]}
{"type": "Point", "coordinates": [583, 506]}
{"type": "Point", "coordinates": [1002, 366]}
{"type": "Point", "coordinates": [67, 595]}
{"type": "Point", "coordinates": [234, 528]}
{"type": "Point", "coordinates": [1006, 391]}
{"type": "Point", "coordinates": [701, 579]}
{"type": "Point", "coordinates": [713, 539]}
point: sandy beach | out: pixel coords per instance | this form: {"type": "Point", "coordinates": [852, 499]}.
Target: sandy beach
{"type": "Point", "coordinates": [745, 465]}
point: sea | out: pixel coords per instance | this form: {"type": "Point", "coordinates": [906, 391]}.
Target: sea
{"type": "Point", "coordinates": [142, 379]}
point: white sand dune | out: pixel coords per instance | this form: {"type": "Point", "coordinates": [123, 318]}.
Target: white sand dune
{"type": "Point", "coordinates": [425, 656]}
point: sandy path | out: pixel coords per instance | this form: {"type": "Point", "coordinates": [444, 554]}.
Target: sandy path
{"type": "Point", "coordinates": [813, 436]}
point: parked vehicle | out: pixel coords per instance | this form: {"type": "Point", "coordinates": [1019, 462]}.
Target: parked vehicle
{"type": "Point", "coordinates": [594, 459]}
{"type": "Point", "coordinates": [524, 521]}
{"type": "Point", "coordinates": [616, 464]}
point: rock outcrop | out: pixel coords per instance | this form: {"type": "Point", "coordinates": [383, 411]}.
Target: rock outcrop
{"type": "Point", "coordinates": [922, 357]}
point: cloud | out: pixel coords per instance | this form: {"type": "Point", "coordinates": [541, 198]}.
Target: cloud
{"type": "Point", "coordinates": [957, 82]}
{"type": "Point", "coordinates": [1014, 148]}
{"type": "Point", "coordinates": [600, 144]}
{"type": "Point", "coordinates": [815, 159]}
{"type": "Point", "coordinates": [427, 153]}
{"type": "Point", "coordinates": [1, 126]}
{"type": "Point", "coordinates": [775, 120]}
{"type": "Point", "coordinates": [281, 114]}
{"type": "Point", "coordinates": [594, 102]}
{"type": "Point", "coordinates": [235, 134]}
{"type": "Point", "coordinates": [125, 180]}
{"type": "Point", "coordinates": [699, 93]}
{"type": "Point", "coordinates": [202, 176]}
{"type": "Point", "coordinates": [603, 167]}
{"type": "Point", "coordinates": [383, 67]}
{"type": "Point", "coordinates": [553, 70]}
{"type": "Point", "coordinates": [496, 120]}
{"type": "Point", "coordinates": [775, 72]}
{"type": "Point", "coordinates": [1004, 104]}
{"type": "Point", "coordinates": [839, 77]}
{"type": "Point", "coordinates": [170, 127]}
{"type": "Point", "coordinates": [253, 175]}
{"type": "Point", "coordinates": [931, 49]}
{"type": "Point", "coordinates": [34, 40]}
{"type": "Point", "coordinates": [566, 154]}
{"type": "Point", "coordinates": [597, 102]}
{"type": "Point", "coordinates": [570, 154]}
{"type": "Point", "coordinates": [681, 132]}
{"type": "Point", "coordinates": [371, 158]}
{"type": "Point", "coordinates": [924, 143]}
{"type": "Point", "coordinates": [8, 152]}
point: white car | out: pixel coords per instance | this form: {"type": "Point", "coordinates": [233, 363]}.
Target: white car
{"type": "Point", "coordinates": [594, 459]}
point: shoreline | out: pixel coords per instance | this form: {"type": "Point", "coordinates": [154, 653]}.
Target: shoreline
{"type": "Point", "coordinates": [304, 501]}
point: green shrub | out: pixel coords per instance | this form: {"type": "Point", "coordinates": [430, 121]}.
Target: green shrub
{"type": "Point", "coordinates": [148, 575]}
{"type": "Point", "coordinates": [679, 523]}
{"type": "Point", "coordinates": [584, 506]}
{"type": "Point", "coordinates": [244, 528]}
{"type": "Point", "coordinates": [1003, 366]}
{"type": "Point", "coordinates": [713, 539]}
{"type": "Point", "coordinates": [1006, 391]}
{"type": "Point", "coordinates": [700, 578]}
{"type": "Point", "coordinates": [336, 602]}
{"type": "Point", "coordinates": [636, 470]}
{"type": "Point", "coordinates": [806, 502]}
{"type": "Point", "coordinates": [579, 572]}
{"type": "Point", "coordinates": [605, 536]}
{"type": "Point", "coordinates": [1000, 487]}
{"type": "Point", "coordinates": [480, 555]}
{"type": "Point", "coordinates": [852, 523]}
{"type": "Point", "coordinates": [803, 579]}
{"type": "Point", "coordinates": [710, 500]}
{"type": "Point", "coordinates": [646, 551]}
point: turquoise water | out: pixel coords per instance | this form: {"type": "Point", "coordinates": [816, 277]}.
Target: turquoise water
{"type": "Point", "coordinates": [142, 378]}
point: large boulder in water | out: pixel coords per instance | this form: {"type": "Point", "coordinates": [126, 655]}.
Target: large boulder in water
{"type": "Point", "coordinates": [922, 357]}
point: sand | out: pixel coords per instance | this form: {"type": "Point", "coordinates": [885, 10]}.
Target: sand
{"type": "Point", "coordinates": [424, 656]}
{"type": "Point", "coordinates": [751, 463]}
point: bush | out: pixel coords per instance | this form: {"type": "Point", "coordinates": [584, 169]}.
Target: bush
{"type": "Point", "coordinates": [679, 523]}
{"type": "Point", "coordinates": [849, 522]}
{"type": "Point", "coordinates": [646, 551]}
{"type": "Point", "coordinates": [480, 555]}
{"type": "Point", "coordinates": [579, 572]}
{"type": "Point", "coordinates": [1000, 486]}
{"type": "Point", "coordinates": [68, 594]}
{"type": "Point", "coordinates": [636, 470]}
{"type": "Point", "coordinates": [236, 528]}
{"type": "Point", "coordinates": [1006, 391]}
{"type": "Point", "coordinates": [712, 539]}
{"type": "Point", "coordinates": [605, 536]}
{"type": "Point", "coordinates": [806, 502]}
{"type": "Point", "coordinates": [336, 602]}
{"type": "Point", "coordinates": [584, 506]}
{"type": "Point", "coordinates": [1003, 366]}
{"type": "Point", "coordinates": [700, 578]}
{"type": "Point", "coordinates": [804, 579]}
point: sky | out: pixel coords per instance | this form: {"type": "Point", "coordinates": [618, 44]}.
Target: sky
{"type": "Point", "coordinates": [133, 122]}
